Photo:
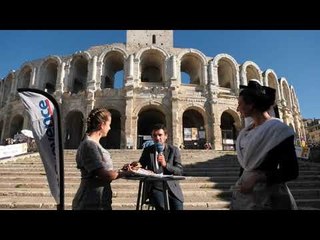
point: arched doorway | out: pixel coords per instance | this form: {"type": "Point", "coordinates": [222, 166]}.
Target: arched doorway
{"type": "Point", "coordinates": [228, 132]}
{"type": "Point", "coordinates": [113, 139]}
{"type": "Point", "coordinates": [193, 130]}
{"type": "Point", "coordinates": [16, 125]}
{"type": "Point", "coordinates": [146, 120]}
{"type": "Point", "coordinates": [74, 129]}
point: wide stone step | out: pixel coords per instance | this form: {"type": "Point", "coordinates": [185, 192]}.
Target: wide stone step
{"type": "Point", "coordinates": [132, 193]}
{"type": "Point", "coordinates": [116, 185]}
{"type": "Point", "coordinates": [42, 200]}
{"type": "Point", "coordinates": [49, 204]}
{"type": "Point", "coordinates": [29, 205]}
{"type": "Point", "coordinates": [117, 193]}
{"type": "Point", "coordinates": [308, 204]}
{"type": "Point", "coordinates": [209, 175]}
{"type": "Point", "coordinates": [125, 184]}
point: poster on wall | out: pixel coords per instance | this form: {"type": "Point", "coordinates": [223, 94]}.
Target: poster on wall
{"type": "Point", "coordinates": [194, 133]}
{"type": "Point", "coordinates": [202, 134]}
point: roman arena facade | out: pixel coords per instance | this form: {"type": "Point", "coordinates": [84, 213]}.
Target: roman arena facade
{"type": "Point", "coordinates": [145, 81]}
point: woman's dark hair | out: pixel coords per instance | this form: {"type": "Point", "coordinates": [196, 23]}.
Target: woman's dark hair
{"type": "Point", "coordinates": [96, 117]}
{"type": "Point", "coordinates": [260, 96]}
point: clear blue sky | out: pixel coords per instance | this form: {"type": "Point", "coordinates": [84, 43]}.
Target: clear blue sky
{"type": "Point", "coordinates": [293, 54]}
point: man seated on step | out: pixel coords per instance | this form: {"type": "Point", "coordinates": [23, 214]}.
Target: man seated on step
{"type": "Point", "coordinates": [163, 158]}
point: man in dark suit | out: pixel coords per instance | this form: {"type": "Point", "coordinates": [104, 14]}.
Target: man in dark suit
{"type": "Point", "coordinates": [165, 159]}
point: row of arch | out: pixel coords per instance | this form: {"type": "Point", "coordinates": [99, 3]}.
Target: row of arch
{"type": "Point", "coordinates": [114, 67]}
{"type": "Point", "coordinates": [193, 119]}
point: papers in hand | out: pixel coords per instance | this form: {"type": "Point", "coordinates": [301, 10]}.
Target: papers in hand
{"type": "Point", "coordinates": [148, 173]}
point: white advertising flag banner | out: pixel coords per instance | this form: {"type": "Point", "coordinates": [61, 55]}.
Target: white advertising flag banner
{"type": "Point", "coordinates": [44, 121]}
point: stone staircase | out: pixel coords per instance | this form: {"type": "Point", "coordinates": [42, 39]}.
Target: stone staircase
{"type": "Point", "coordinates": [209, 175]}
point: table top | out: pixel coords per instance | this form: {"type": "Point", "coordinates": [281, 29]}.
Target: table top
{"type": "Point", "coordinates": [155, 178]}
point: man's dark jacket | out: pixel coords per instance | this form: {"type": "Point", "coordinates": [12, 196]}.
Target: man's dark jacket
{"type": "Point", "coordinates": [174, 166]}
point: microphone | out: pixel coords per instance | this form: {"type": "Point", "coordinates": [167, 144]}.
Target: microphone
{"type": "Point", "coordinates": [159, 148]}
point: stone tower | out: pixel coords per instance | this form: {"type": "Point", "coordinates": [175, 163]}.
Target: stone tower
{"type": "Point", "coordinates": [145, 38]}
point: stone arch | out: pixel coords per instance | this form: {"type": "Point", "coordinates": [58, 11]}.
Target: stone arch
{"type": "Point", "coordinates": [249, 70]}
{"type": "Point", "coordinates": [113, 65]}
{"type": "Point", "coordinates": [229, 121]}
{"type": "Point", "coordinates": [194, 127]}
{"type": "Point", "coordinates": [79, 72]}
{"type": "Point", "coordinates": [227, 71]}
{"type": "Point", "coordinates": [191, 66]}
{"type": "Point", "coordinates": [285, 90]}
{"type": "Point", "coordinates": [147, 117]}
{"type": "Point", "coordinates": [113, 139]}
{"type": "Point", "coordinates": [74, 129]}
{"type": "Point", "coordinates": [7, 86]}
{"type": "Point", "coordinates": [152, 67]}
{"type": "Point", "coordinates": [151, 104]}
{"type": "Point", "coordinates": [49, 73]}
{"type": "Point", "coordinates": [16, 125]}
{"type": "Point", "coordinates": [295, 101]}
{"type": "Point", "coordinates": [270, 80]}
{"type": "Point", "coordinates": [24, 76]}
{"type": "Point", "coordinates": [159, 49]}
{"type": "Point", "coordinates": [113, 49]}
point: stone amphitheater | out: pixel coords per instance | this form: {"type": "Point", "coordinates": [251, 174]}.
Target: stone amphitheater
{"type": "Point", "coordinates": [209, 176]}
{"type": "Point", "coordinates": [143, 81]}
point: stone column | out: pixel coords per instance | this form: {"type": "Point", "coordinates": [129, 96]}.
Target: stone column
{"type": "Point", "coordinates": [215, 77]}
{"type": "Point", "coordinates": [243, 77]}
{"type": "Point", "coordinates": [90, 89]}
{"type": "Point", "coordinates": [174, 67]}
{"type": "Point", "coordinates": [6, 123]}
{"type": "Point", "coordinates": [178, 64]}
{"type": "Point", "coordinates": [60, 77]}
{"type": "Point", "coordinates": [217, 131]}
{"type": "Point", "coordinates": [66, 78]}
{"type": "Point", "coordinates": [129, 127]}
{"type": "Point", "coordinates": [92, 78]}
{"type": "Point", "coordinates": [90, 97]}
{"type": "Point", "coordinates": [176, 124]}
{"type": "Point", "coordinates": [3, 129]}
{"type": "Point", "coordinates": [32, 83]}
{"type": "Point", "coordinates": [285, 116]}
{"type": "Point", "coordinates": [99, 73]}
{"type": "Point", "coordinates": [131, 66]}
{"type": "Point", "coordinates": [303, 131]}
{"type": "Point", "coordinates": [26, 120]}
{"type": "Point", "coordinates": [137, 73]}
{"type": "Point", "coordinates": [134, 123]}
{"type": "Point", "coordinates": [210, 134]}
{"type": "Point", "coordinates": [210, 72]}
{"type": "Point", "coordinates": [204, 75]}
{"type": "Point", "coordinates": [296, 122]}
{"type": "Point", "coordinates": [129, 78]}
{"type": "Point", "coordinates": [59, 83]}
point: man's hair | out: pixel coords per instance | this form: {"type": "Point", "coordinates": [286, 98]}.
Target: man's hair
{"type": "Point", "coordinates": [159, 126]}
